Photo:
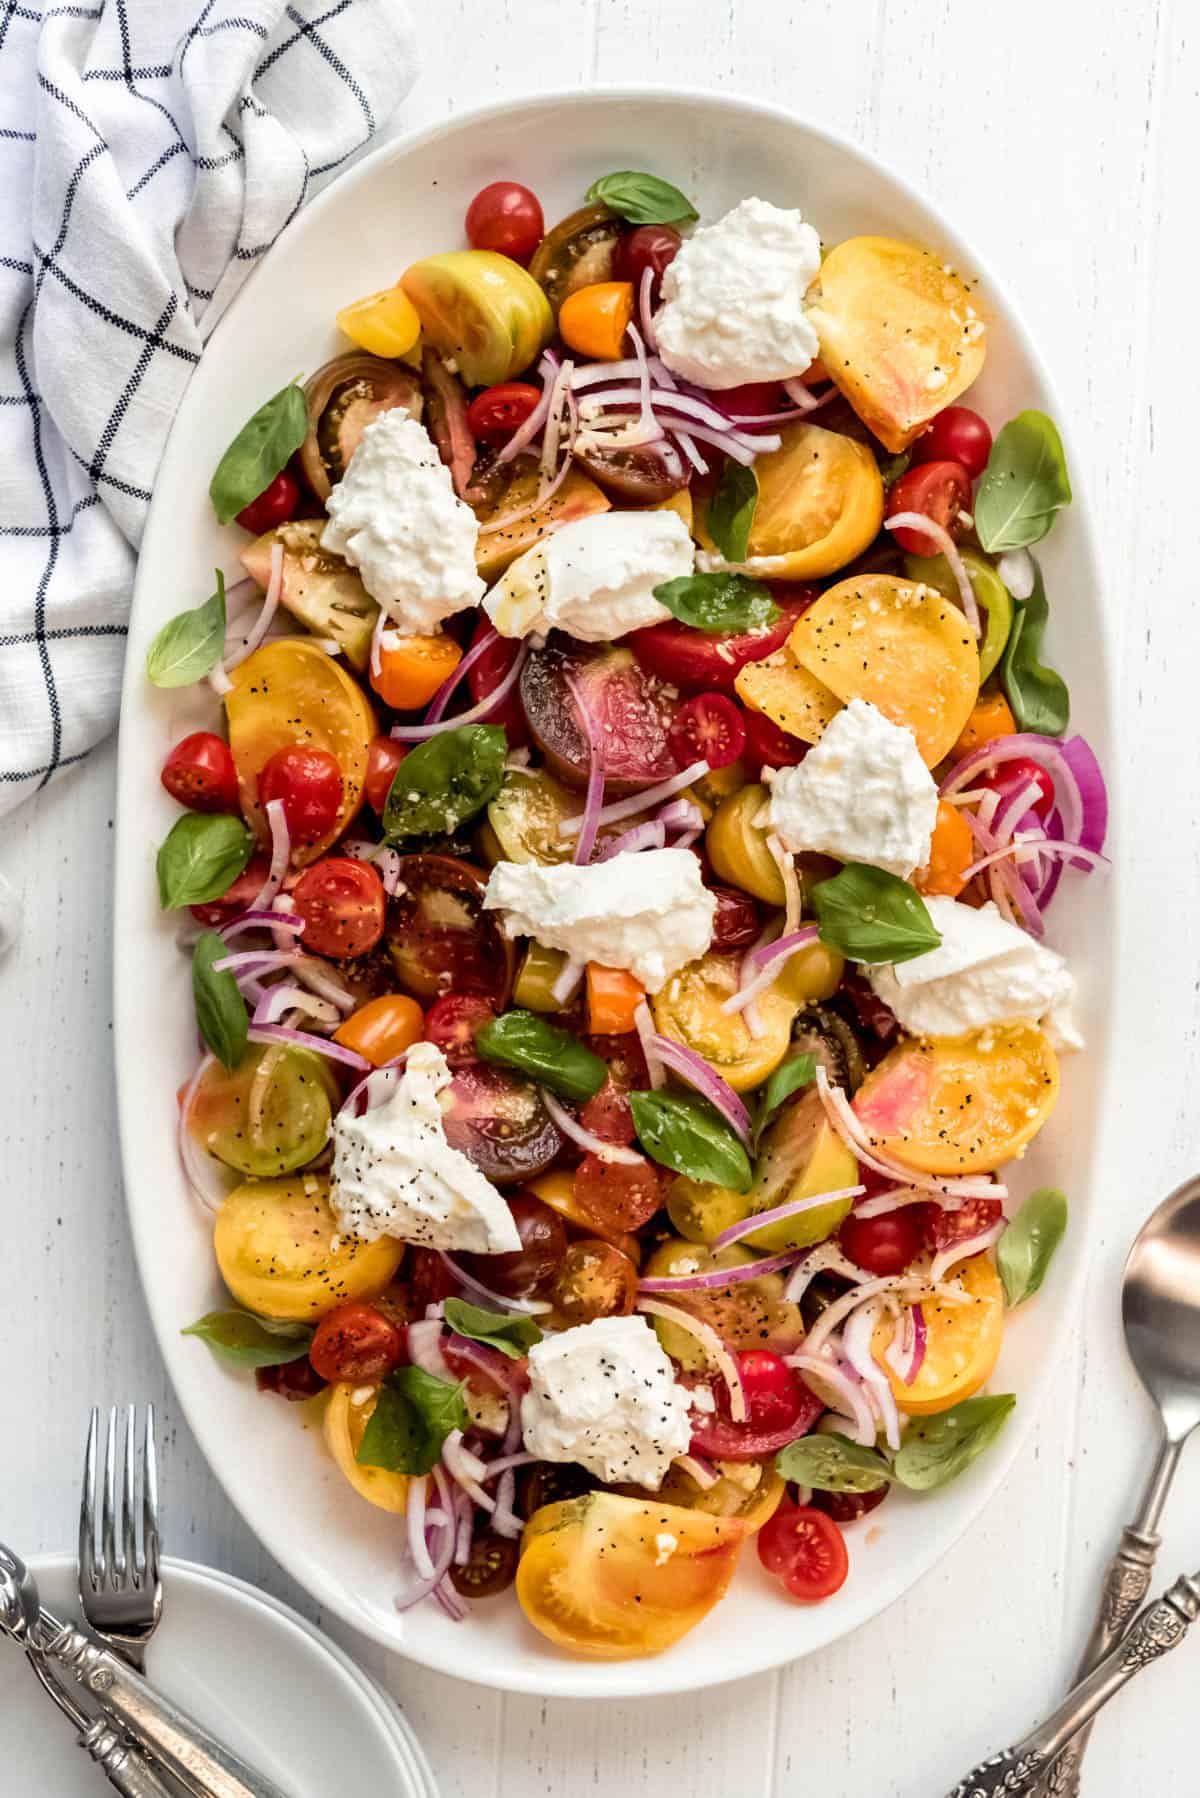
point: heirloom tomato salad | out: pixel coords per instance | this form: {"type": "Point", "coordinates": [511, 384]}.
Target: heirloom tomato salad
{"type": "Point", "coordinates": [617, 890]}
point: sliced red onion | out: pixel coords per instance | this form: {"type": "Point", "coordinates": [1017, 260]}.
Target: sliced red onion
{"type": "Point", "coordinates": [1008, 884]}
{"type": "Point", "coordinates": [719, 1277]}
{"type": "Point", "coordinates": [262, 623]}
{"type": "Point", "coordinates": [571, 1128]}
{"type": "Point", "coordinates": [830, 1382]}
{"type": "Point", "coordinates": [589, 823]}
{"type": "Point", "coordinates": [567, 980]}
{"type": "Point", "coordinates": [257, 961]}
{"type": "Point", "coordinates": [303, 1039]}
{"type": "Point", "coordinates": [551, 435]}
{"type": "Point", "coordinates": [681, 814]}
{"type": "Point", "coordinates": [420, 733]}
{"type": "Point", "coordinates": [206, 1176]}
{"type": "Point", "coordinates": [686, 839]}
{"type": "Point", "coordinates": [778, 1213]}
{"type": "Point", "coordinates": [712, 1345]}
{"type": "Point", "coordinates": [502, 1375]}
{"type": "Point", "coordinates": [281, 849]}
{"type": "Point", "coordinates": [673, 403]}
{"type": "Point", "coordinates": [919, 1344]}
{"type": "Point", "coordinates": [1070, 851]}
{"type": "Point", "coordinates": [852, 1133]}
{"type": "Point", "coordinates": [219, 681]}
{"type": "Point", "coordinates": [418, 1548]}
{"type": "Point", "coordinates": [885, 1202]}
{"type": "Point", "coordinates": [962, 1251]}
{"type": "Point", "coordinates": [638, 802]}
{"type": "Point", "coordinates": [444, 694]}
{"type": "Point", "coordinates": [502, 1302]}
{"type": "Point", "coordinates": [800, 396]}
{"type": "Point", "coordinates": [880, 1398]}
{"type": "Point", "coordinates": [383, 858]}
{"type": "Point", "coordinates": [856, 1344]}
{"type": "Point", "coordinates": [1013, 809]}
{"type": "Point", "coordinates": [705, 1080]}
{"type": "Point", "coordinates": [381, 631]}
{"type": "Point", "coordinates": [848, 1303]}
{"type": "Point", "coordinates": [1079, 787]}
{"type": "Point", "coordinates": [284, 998]}
{"type": "Point", "coordinates": [651, 835]}
{"type": "Point", "coordinates": [1016, 569]}
{"type": "Point", "coordinates": [465, 1469]}
{"type": "Point", "coordinates": [688, 446]}
{"type": "Point", "coordinates": [646, 307]}
{"type": "Point", "coordinates": [508, 1463]}
{"type": "Point", "coordinates": [519, 513]}
{"type": "Point", "coordinates": [525, 433]}
{"type": "Point", "coordinates": [764, 963]}
{"type": "Point", "coordinates": [699, 1470]}
{"type": "Point", "coordinates": [643, 1023]}
{"type": "Point", "coordinates": [261, 920]}
{"type": "Point", "coordinates": [424, 1340]}
{"type": "Point", "coordinates": [374, 1087]}
{"type": "Point", "coordinates": [943, 541]}
{"type": "Point", "coordinates": [466, 1523]}
{"type": "Point", "coordinates": [766, 955]}
{"type": "Point", "coordinates": [826, 1257]}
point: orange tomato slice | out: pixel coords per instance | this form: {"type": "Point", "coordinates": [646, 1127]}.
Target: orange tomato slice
{"type": "Point", "coordinates": [961, 1104]}
{"type": "Point", "coordinates": [951, 853]}
{"type": "Point", "coordinates": [820, 503]}
{"type": "Point", "coordinates": [962, 1341]}
{"type": "Point", "coordinates": [412, 668]}
{"type": "Point", "coordinates": [613, 1577]}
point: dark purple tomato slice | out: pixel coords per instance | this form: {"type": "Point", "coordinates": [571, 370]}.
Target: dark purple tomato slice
{"type": "Point", "coordinates": [695, 660]}
{"type": "Point", "coordinates": [439, 936]}
{"type": "Point", "coordinates": [848, 1507]}
{"type": "Point", "coordinates": [641, 476]}
{"type": "Point", "coordinates": [499, 1122]}
{"type": "Point", "coordinates": [631, 712]}
{"type": "Point", "coordinates": [536, 1263]}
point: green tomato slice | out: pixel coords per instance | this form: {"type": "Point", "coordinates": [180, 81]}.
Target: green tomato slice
{"type": "Point", "coordinates": [992, 595]}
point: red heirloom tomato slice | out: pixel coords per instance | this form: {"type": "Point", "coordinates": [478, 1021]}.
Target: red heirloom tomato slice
{"type": "Point", "coordinates": [535, 1264]}
{"type": "Point", "coordinates": [887, 1244]}
{"type": "Point", "coordinates": [485, 675]}
{"type": "Point", "coordinates": [781, 1408]}
{"type": "Point", "coordinates": [697, 660]}
{"type": "Point", "coordinates": [440, 938]}
{"type": "Point", "coordinates": [343, 905]}
{"type": "Point", "coordinates": [383, 758]}
{"type": "Point", "coordinates": [274, 505]}
{"type": "Point", "coordinates": [616, 1197]}
{"type": "Point", "coordinates": [453, 1023]}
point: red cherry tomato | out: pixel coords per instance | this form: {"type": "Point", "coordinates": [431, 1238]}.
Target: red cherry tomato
{"type": "Point", "coordinates": [453, 1023]}
{"type": "Point", "coordinates": [485, 675]}
{"type": "Point", "coordinates": [507, 217]}
{"type": "Point", "coordinates": [938, 490]}
{"type": "Point", "coordinates": [343, 905]}
{"type": "Point", "coordinates": [200, 774]}
{"type": "Point", "coordinates": [774, 1396]}
{"type": "Point", "coordinates": [806, 1549]}
{"type": "Point", "coordinates": [956, 435]}
{"type": "Point", "coordinates": [496, 413]}
{"type": "Point", "coordinates": [215, 912]}
{"type": "Point", "coordinates": [737, 922]}
{"type": "Point", "coordinates": [848, 1507]}
{"type": "Point", "coordinates": [356, 1342]}
{"type": "Point", "coordinates": [274, 505]}
{"type": "Point", "coordinates": [428, 1279]}
{"type": "Point", "coordinates": [699, 661]}
{"type": "Point", "coordinates": [608, 1114]}
{"type": "Point", "coordinates": [649, 246]}
{"type": "Point", "coordinates": [716, 1435]}
{"type": "Point", "coordinates": [708, 728]}
{"type": "Point", "coordinates": [887, 1244]}
{"type": "Point", "coordinates": [752, 400]}
{"type": "Point", "coordinates": [308, 783]}
{"type": "Point", "coordinates": [1010, 777]}
{"type": "Point", "coordinates": [769, 747]}
{"type": "Point", "coordinates": [384, 756]}
{"type": "Point", "coordinates": [944, 1228]}
{"type": "Point", "coordinates": [614, 1197]}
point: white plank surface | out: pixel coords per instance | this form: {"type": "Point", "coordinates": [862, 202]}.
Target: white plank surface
{"type": "Point", "coordinates": [1063, 138]}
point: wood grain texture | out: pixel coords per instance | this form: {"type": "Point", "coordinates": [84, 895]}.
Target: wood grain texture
{"type": "Point", "coordinates": [1064, 141]}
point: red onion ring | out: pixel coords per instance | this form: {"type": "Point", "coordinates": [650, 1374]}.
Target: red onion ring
{"type": "Point", "coordinates": [441, 699]}
{"type": "Point", "coordinates": [651, 835]}
{"type": "Point", "coordinates": [423, 1341]}
{"type": "Point", "coordinates": [261, 920]}
{"type": "Point", "coordinates": [692, 1068]}
{"type": "Point", "coordinates": [962, 1251]}
{"type": "Point", "coordinates": [941, 538]}
{"type": "Point", "coordinates": [281, 849]}
{"type": "Point", "coordinates": [714, 1348]}
{"type": "Point", "coordinates": [302, 1039]}
{"type": "Point", "coordinates": [719, 1276]}
{"type": "Point", "coordinates": [819, 1373]}
{"type": "Point", "coordinates": [643, 1023]}
{"type": "Point", "coordinates": [525, 433]}
{"type": "Point", "coordinates": [637, 802]}
{"type": "Point", "coordinates": [794, 1208]}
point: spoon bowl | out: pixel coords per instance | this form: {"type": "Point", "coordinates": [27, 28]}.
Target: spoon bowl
{"type": "Point", "coordinates": [20, 1605]}
{"type": "Point", "coordinates": [1160, 1305]}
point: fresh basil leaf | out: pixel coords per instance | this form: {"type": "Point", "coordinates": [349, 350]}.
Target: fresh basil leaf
{"type": "Point", "coordinates": [201, 856]}
{"type": "Point", "coordinates": [788, 1076]}
{"type": "Point", "coordinates": [725, 604]}
{"type": "Point", "coordinates": [1026, 1249]}
{"type": "Point", "coordinates": [730, 515]}
{"type": "Point", "coordinates": [220, 1009]}
{"type": "Point", "coordinates": [890, 470]}
{"type": "Point", "coordinates": [643, 199]}
{"type": "Point", "coordinates": [513, 1336]}
{"type": "Point", "coordinates": [690, 1136]}
{"type": "Point", "coordinates": [1024, 484]}
{"type": "Point", "coordinates": [1038, 696]}
{"type": "Point", "coordinates": [833, 1464]}
{"type": "Point", "coordinates": [414, 1413]}
{"type": "Point", "coordinates": [250, 1341]}
{"type": "Point", "coordinates": [522, 1040]}
{"type": "Point", "coordinates": [937, 1449]}
{"type": "Point", "coordinates": [444, 781]}
{"type": "Point", "coordinates": [258, 452]}
{"type": "Point", "coordinates": [872, 916]}
{"type": "Point", "coordinates": [189, 644]}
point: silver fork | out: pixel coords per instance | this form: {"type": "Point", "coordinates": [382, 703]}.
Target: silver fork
{"type": "Point", "coordinates": [120, 1588]}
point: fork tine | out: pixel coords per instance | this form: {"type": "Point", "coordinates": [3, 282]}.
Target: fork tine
{"type": "Point", "coordinates": [108, 1514]}
{"type": "Point", "coordinates": [88, 1570]}
{"type": "Point", "coordinates": [150, 1535]}
{"type": "Point", "coordinates": [129, 1545]}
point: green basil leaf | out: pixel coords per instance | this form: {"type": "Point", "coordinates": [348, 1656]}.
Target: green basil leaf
{"type": "Point", "coordinates": [833, 1464]}
{"type": "Point", "coordinates": [1038, 696]}
{"type": "Point", "coordinates": [261, 448]}
{"type": "Point", "coordinates": [444, 781]}
{"type": "Point", "coordinates": [643, 199]}
{"type": "Point", "coordinates": [414, 1413]}
{"type": "Point", "coordinates": [725, 604]}
{"type": "Point", "coordinates": [201, 857]}
{"type": "Point", "coordinates": [730, 515]}
{"type": "Point", "coordinates": [937, 1449]}
{"type": "Point", "coordinates": [522, 1040]}
{"type": "Point", "coordinates": [892, 467]}
{"type": "Point", "coordinates": [189, 644]}
{"type": "Point", "coordinates": [1026, 1249]}
{"type": "Point", "coordinates": [1024, 484]}
{"type": "Point", "coordinates": [872, 916]}
{"type": "Point", "coordinates": [513, 1336]}
{"type": "Point", "coordinates": [788, 1076]}
{"type": "Point", "coordinates": [250, 1341]}
{"type": "Point", "coordinates": [220, 1009]}
{"type": "Point", "coordinates": [690, 1136]}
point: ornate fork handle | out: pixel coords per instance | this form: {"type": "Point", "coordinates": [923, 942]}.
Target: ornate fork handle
{"type": "Point", "coordinates": [1161, 1626]}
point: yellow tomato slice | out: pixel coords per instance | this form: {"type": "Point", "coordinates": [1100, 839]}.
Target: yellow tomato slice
{"type": "Point", "coordinates": [956, 1104]}
{"type": "Point", "coordinates": [384, 323]}
{"type": "Point", "coordinates": [613, 1577]}
{"type": "Point", "coordinates": [962, 1341]}
{"type": "Point", "coordinates": [292, 692]}
{"type": "Point", "coordinates": [748, 1314]}
{"type": "Point", "coordinates": [346, 1417]}
{"type": "Point", "coordinates": [274, 1246]}
{"type": "Point", "coordinates": [900, 645]}
{"type": "Point", "coordinates": [737, 845]}
{"type": "Point", "coordinates": [820, 503]}
{"type": "Point", "coordinates": [750, 1490]}
{"type": "Point", "coordinates": [785, 692]}
{"type": "Point", "coordinates": [483, 309]}
{"type": "Point", "coordinates": [578, 497]}
{"type": "Point", "coordinates": [901, 334]}
{"type": "Point", "coordinates": [800, 1156]}
{"type": "Point", "coordinates": [688, 1010]}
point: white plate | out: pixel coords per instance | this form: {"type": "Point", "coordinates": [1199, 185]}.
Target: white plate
{"type": "Point", "coordinates": [406, 201]}
{"type": "Point", "coordinates": [259, 1676]}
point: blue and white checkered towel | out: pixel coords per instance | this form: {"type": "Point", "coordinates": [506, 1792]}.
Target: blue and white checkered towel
{"type": "Point", "coordinates": [150, 152]}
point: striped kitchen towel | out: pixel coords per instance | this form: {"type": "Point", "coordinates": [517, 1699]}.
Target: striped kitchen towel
{"type": "Point", "coordinates": [150, 153]}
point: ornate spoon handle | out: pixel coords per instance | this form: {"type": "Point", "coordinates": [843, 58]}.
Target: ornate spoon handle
{"type": "Point", "coordinates": [1162, 1625]}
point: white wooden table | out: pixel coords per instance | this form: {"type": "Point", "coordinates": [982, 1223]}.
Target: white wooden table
{"type": "Point", "coordinates": [1063, 137]}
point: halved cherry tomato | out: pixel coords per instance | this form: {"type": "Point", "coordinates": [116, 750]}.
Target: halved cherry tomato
{"type": "Point", "coordinates": [848, 1507]}
{"type": "Point", "coordinates": [593, 320]}
{"type": "Point", "coordinates": [382, 1028]}
{"type": "Point", "coordinates": [709, 727]}
{"type": "Point", "coordinates": [490, 1566]}
{"type": "Point", "coordinates": [275, 505]}
{"type": "Point", "coordinates": [236, 897]}
{"type": "Point", "coordinates": [453, 1023]}
{"type": "Point", "coordinates": [951, 852]}
{"type": "Point", "coordinates": [343, 905]}
{"type": "Point", "coordinates": [614, 1196]}
{"type": "Point", "coordinates": [200, 774]}
{"type": "Point", "coordinates": [938, 490]}
{"type": "Point", "coordinates": [769, 747]}
{"type": "Point", "coordinates": [383, 758]}
{"type": "Point", "coordinates": [991, 717]}
{"type": "Point", "coordinates": [956, 435]}
{"type": "Point", "coordinates": [595, 1280]}
{"type": "Point", "coordinates": [499, 1121]}
{"type": "Point", "coordinates": [308, 783]}
{"type": "Point", "coordinates": [536, 1263]}
{"type": "Point", "coordinates": [737, 922]}
{"type": "Point", "coordinates": [774, 1395]}
{"type": "Point", "coordinates": [613, 995]}
{"type": "Point", "coordinates": [806, 1549]}
{"type": "Point", "coordinates": [887, 1244]}
{"type": "Point", "coordinates": [506, 217]}
{"type": "Point", "coordinates": [607, 1114]}
{"type": "Point", "coordinates": [648, 247]}
{"type": "Point", "coordinates": [412, 668]}
{"type": "Point", "coordinates": [785, 1411]}
{"type": "Point", "coordinates": [943, 1228]}
{"type": "Point", "coordinates": [698, 660]}
{"type": "Point", "coordinates": [356, 1342]}
{"type": "Point", "coordinates": [497, 412]}
{"type": "Point", "coordinates": [1010, 777]}
{"type": "Point", "coordinates": [485, 675]}
{"type": "Point", "coordinates": [440, 938]}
